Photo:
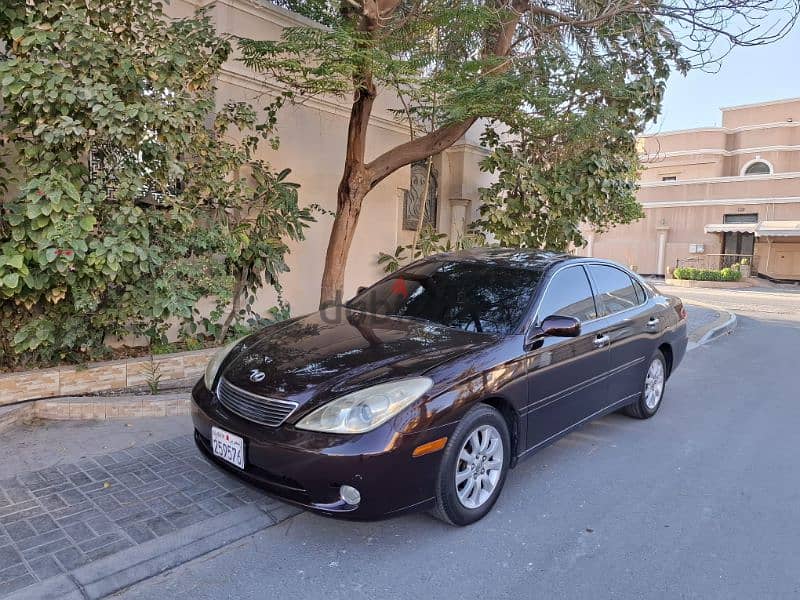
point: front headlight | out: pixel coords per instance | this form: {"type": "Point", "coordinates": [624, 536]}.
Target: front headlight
{"type": "Point", "coordinates": [215, 362]}
{"type": "Point", "coordinates": [366, 409]}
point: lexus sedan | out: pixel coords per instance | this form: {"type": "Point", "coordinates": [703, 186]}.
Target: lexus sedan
{"type": "Point", "coordinates": [424, 390]}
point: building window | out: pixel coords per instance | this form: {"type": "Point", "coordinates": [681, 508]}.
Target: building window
{"type": "Point", "coordinates": [413, 203]}
{"type": "Point", "coordinates": [669, 178]}
{"type": "Point", "coordinates": [757, 167]}
{"type": "Point", "coordinates": [741, 218]}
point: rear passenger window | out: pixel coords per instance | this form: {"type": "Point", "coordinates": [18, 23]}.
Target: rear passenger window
{"type": "Point", "coordinates": [615, 290]}
{"type": "Point", "coordinates": [568, 295]}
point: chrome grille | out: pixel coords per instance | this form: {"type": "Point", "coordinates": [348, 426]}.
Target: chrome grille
{"type": "Point", "coordinates": [266, 411]}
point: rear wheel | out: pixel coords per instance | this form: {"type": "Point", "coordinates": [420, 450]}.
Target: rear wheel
{"type": "Point", "coordinates": [652, 389]}
{"type": "Point", "coordinates": [474, 467]}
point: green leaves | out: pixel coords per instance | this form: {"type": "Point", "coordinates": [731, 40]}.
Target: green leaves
{"type": "Point", "coordinates": [691, 273]}
{"type": "Point", "coordinates": [126, 203]}
{"type": "Point", "coordinates": [571, 164]}
{"type": "Point", "coordinates": [87, 223]}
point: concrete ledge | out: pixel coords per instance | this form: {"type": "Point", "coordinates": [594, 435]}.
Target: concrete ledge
{"type": "Point", "coordinates": [725, 323]}
{"type": "Point", "coordinates": [87, 408]}
{"type": "Point", "coordinates": [100, 377]}
{"type": "Point", "coordinates": [11, 415]}
{"type": "Point", "coordinates": [724, 285]}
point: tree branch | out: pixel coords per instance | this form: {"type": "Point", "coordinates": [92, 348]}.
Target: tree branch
{"type": "Point", "coordinates": [444, 137]}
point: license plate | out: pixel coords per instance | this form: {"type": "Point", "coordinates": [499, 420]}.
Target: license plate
{"type": "Point", "coordinates": [227, 446]}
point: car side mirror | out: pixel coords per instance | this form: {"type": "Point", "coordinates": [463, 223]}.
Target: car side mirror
{"type": "Point", "coordinates": [553, 326]}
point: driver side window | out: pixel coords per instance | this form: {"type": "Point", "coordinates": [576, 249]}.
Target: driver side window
{"type": "Point", "coordinates": [568, 295]}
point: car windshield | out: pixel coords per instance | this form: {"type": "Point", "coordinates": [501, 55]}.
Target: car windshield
{"type": "Point", "coordinates": [478, 297]}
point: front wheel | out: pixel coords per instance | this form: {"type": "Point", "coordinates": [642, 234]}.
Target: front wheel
{"type": "Point", "coordinates": [652, 389]}
{"type": "Point", "coordinates": [474, 467]}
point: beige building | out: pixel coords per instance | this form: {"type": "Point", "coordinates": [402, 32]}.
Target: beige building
{"type": "Point", "coordinates": [713, 196]}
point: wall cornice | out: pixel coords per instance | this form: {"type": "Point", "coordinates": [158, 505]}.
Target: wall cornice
{"type": "Point", "coordinates": [724, 130]}
{"type": "Point", "coordinates": [732, 179]}
{"type": "Point", "coordinates": [263, 9]}
{"type": "Point", "coordinates": [651, 158]}
{"type": "Point", "coordinates": [721, 202]}
{"type": "Point", "coordinates": [757, 104]}
{"type": "Point", "coordinates": [469, 147]}
{"type": "Point", "coordinates": [242, 78]}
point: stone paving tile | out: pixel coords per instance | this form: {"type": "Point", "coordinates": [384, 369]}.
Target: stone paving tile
{"type": "Point", "coordinates": [60, 518]}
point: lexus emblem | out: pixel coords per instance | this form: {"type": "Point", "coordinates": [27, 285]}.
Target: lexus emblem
{"type": "Point", "coordinates": [257, 376]}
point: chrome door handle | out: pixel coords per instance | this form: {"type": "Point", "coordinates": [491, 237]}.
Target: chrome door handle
{"type": "Point", "coordinates": [601, 340]}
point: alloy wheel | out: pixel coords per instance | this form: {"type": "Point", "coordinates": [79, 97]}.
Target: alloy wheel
{"type": "Point", "coordinates": [479, 466]}
{"type": "Point", "coordinates": [654, 384]}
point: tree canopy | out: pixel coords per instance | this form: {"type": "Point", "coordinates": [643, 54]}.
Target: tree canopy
{"type": "Point", "coordinates": [601, 63]}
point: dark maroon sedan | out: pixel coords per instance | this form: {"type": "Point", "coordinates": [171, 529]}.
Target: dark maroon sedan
{"type": "Point", "coordinates": [426, 388]}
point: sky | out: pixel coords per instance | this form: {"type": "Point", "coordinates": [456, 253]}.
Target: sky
{"type": "Point", "coordinates": [748, 75]}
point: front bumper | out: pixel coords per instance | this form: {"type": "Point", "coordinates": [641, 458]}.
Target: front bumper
{"type": "Point", "coordinates": [307, 468]}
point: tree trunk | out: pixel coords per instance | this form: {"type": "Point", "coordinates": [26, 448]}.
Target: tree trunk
{"type": "Point", "coordinates": [356, 182]}
{"type": "Point", "coordinates": [236, 303]}
{"type": "Point", "coordinates": [344, 227]}
{"type": "Point", "coordinates": [358, 177]}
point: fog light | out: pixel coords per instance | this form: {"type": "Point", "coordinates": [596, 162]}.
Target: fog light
{"type": "Point", "coordinates": [350, 495]}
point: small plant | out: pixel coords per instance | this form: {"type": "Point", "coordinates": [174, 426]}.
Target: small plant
{"type": "Point", "coordinates": [690, 273]}
{"type": "Point", "coordinates": [162, 347]}
{"type": "Point", "coordinates": [430, 242]}
{"type": "Point", "coordinates": [153, 375]}
{"type": "Point", "coordinates": [193, 343]}
{"type": "Point", "coordinates": [745, 261]}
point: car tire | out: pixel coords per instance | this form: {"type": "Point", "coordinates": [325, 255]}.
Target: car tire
{"type": "Point", "coordinates": [652, 394]}
{"type": "Point", "coordinates": [452, 500]}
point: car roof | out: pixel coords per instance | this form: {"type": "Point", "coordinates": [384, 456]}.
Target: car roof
{"type": "Point", "coordinates": [523, 258]}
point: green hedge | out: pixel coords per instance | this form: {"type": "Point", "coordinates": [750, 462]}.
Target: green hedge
{"type": "Point", "coordinates": [726, 274]}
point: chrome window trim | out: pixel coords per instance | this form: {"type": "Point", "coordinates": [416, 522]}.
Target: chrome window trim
{"type": "Point", "coordinates": [535, 319]}
{"type": "Point", "coordinates": [629, 275]}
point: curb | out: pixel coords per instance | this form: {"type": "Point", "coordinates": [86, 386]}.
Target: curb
{"type": "Point", "coordinates": [123, 569]}
{"type": "Point", "coordinates": [96, 408]}
{"type": "Point", "coordinates": [725, 323]}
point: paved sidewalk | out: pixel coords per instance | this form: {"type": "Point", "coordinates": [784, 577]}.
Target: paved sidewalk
{"type": "Point", "coordinates": [699, 317]}
{"type": "Point", "coordinates": [57, 519]}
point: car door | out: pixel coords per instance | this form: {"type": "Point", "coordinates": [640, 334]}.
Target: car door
{"type": "Point", "coordinates": [566, 376]}
{"type": "Point", "coordinates": [630, 322]}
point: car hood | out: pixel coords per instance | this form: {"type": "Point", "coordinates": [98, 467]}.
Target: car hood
{"type": "Point", "coordinates": [324, 355]}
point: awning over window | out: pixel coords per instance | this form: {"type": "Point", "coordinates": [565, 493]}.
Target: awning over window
{"type": "Point", "coordinates": [731, 227]}
{"type": "Point", "coordinates": [778, 228]}
{"type": "Point", "coordinates": [763, 229]}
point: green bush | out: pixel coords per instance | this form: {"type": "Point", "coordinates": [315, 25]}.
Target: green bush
{"type": "Point", "coordinates": [133, 194]}
{"type": "Point", "coordinates": [693, 274]}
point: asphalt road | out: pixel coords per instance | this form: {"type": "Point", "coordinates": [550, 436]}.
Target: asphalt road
{"type": "Point", "coordinates": [702, 501]}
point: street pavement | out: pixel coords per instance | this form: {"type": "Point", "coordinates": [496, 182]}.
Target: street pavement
{"type": "Point", "coordinates": [701, 501]}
